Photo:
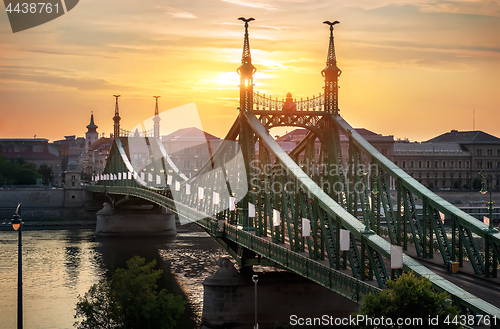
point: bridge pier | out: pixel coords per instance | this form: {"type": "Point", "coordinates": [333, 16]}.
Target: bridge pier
{"type": "Point", "coordinates": [135, 220]}
{"type": "Point", "coordinates": [229, 300]}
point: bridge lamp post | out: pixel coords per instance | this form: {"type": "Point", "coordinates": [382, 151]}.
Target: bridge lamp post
{"type": "Point", "coordinates": [17, 225]}
{"type": "Point", "coordinates": [484, 190]}
{"type": "Point", "coordinates": [487, 248]}
{"type": "Point", "coordinates": [255, 279]}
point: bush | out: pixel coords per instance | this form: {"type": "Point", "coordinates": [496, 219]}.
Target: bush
{"type": "Point", "coordinates": [130, 300]}
{"type": "Point", "coordinates": [409, 297]}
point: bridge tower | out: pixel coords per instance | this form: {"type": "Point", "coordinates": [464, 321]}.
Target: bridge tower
{"type": "Point", "coordinates": [156, 120]}
{"type": "Point", "coordinates": [246, 139]}
{"type": "Point", "coordinates": [116, 119]}
{"type": "Point", "coordinates": [331, 74]}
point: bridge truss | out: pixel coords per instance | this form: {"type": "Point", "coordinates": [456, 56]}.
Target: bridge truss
{"type": "Point", "coordinates": [255, 199]}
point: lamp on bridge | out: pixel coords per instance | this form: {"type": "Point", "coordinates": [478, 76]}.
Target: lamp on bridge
{"type": "Point", "coordinates": [490, 203]}
{"type": "Point", "coordinates": [490, 262]}
{"type": "Point", "coordinates": [255, 279]}
{"type": "Point", "coordinates": [17, 224]}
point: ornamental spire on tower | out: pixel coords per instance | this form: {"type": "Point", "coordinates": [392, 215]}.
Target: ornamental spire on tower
{"type": "Point", "coordinates": [116, 119]}
{"type": "Point", "coordinates": [331, 73]}
{"type": "Point", "coordinates": [92, 126]}
{"type": "Point", "coordinates": [156, 120]}
{"type": "Point", "coordinates": [246, 71]}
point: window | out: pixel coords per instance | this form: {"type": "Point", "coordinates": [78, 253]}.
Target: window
{"type": "Point", "coordinates": [489, 152]}
{"type": "Point", "coordinates": [428, 175]}
{"type": "Point", "coordinates": [436, 164]}
{"type": "Point", "coordinates": [419, 175]}
{"type": "Point", "coordinates": [403, 165]}
{"type": "Point", "coordinates": [479, 152]}
{"type": "Point", "coordinates": [459, 164]}
{"type": "Point", "coordinates": [444, 164]}
{"type": "Point", "coordinates": [72, 183]}
{"type": "Point", "coordinates": [411, 164]}
{"type": "Point", "coordinates": [428, 164]}
{"type": "Point", "coordinates": [466, 164]}
{"type": "Point", "coordinates": [436, 176]}
{"type": "Point", "coordinates": [451, 164]}
{"type": "Point", "coordinates": [396, 163]}
{"type": "Point", "coordinates": [479, 164]}
{"type": "Point", "coordinates": [420, 164]}
{"type": "Point", "coordinates": [444, 175]}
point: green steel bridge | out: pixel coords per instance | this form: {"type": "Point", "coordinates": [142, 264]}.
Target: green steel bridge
{"type": "Point", "coordinates": [292, 210]}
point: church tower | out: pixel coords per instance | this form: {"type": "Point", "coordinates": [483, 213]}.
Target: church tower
{"type": "Point", "coordinates": [91, 135]}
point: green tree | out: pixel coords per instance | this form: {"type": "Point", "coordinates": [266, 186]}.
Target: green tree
{"type": "Point", "coordinates": [409, 297]}
{"type": "Point", "coordinates": [477, 184]}
{"type": "Point", "coordinates": [46, 172]}
{"type": "Point", "coordinates": [26, 176]}
{"type": "Point", "coordinates": [130, 300]}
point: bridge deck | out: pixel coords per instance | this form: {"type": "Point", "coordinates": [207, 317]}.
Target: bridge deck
{"type": "Point", "coordinates": [488, 289]}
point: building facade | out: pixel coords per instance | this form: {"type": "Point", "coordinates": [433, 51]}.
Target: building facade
{"type": "Point", "coordinates": [35, 150]}
{"type": "Point", "coordinates": [453, 160]}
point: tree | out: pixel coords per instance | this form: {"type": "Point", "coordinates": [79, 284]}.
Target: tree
{"type": "Point", "coordinates": [130, 300]}
{"type": "Point", "coordinates": [477, 184]}
{"type": "Point", "coordinates": [409, 297]}
{"type": "Point", "coordinates": [46, 172]}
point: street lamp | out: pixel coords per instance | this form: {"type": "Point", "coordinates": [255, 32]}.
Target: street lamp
{"type": "Point", "coordinates": [255, 279]}
{"type": "Point", "coordinates": [487, 248]}
{"type": "Point", "coordinates": [17, 224]}
{"type": "Point", "coordinates": [484, 190]}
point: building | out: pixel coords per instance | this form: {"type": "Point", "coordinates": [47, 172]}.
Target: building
{"type": "Point", "coordinates": [91, 136]}
{"type": "Point", "coordinates": [70, 148]}
{"type": "Point", "coordinates": [384, 144]}
{"type": "Point", "coordinates": [453, 160]}
{"type": "Point", "coordinates": [35, 150]}
{"type": "Point", "coordinates": [190, 148]}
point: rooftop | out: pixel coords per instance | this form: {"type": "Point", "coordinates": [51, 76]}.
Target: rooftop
{"type": "Point", "coordinates": [465, 137]}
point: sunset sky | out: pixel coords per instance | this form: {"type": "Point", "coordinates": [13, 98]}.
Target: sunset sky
{"type": "Point", "coordinates": [412, 69]}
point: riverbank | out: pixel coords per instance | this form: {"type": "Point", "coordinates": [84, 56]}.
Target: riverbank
{"type": "Point", "coordinates": [56, 223]}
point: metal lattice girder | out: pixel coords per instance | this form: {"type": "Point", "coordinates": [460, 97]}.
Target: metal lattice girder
{"type": "Point", "coordinates": [418, 190]}
{"type": "Point", "coordinates": [353, 225]}
{"type": "Point", "coordinates": [284, 257]}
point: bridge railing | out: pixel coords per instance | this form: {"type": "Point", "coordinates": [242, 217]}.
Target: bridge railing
{"type": "Point", "coordinates": [265, 103]}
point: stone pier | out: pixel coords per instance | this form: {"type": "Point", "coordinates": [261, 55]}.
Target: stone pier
{"type": "Point", "coordinates": [229, 299]}
{"type": "Point", "coordinates": [135, 220]}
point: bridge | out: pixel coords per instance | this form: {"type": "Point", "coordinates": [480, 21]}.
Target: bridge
{"type": "Point", "coordinates": [318, 214]}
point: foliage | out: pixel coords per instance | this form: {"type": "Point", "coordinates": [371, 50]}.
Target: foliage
{"type": "Point", "coordinates": [130, 300]}
{"type": "Point", "coordinates": [477, 184]}
{"type": "Point", "coordinates": [46, 172]}
{"type": "Point", "coordinates": [409, 297]}
{"type": "Point", "coordinates": [18, 172]}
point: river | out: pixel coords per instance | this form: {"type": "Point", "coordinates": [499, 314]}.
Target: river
{"type": "Point", "coordinates": [61, 264]}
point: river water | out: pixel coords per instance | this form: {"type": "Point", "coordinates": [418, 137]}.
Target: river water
{"type": "Point", "coordinates": [61, 264]}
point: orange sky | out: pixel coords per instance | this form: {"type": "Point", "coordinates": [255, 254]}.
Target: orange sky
{"type": "Point", "coordinates": [409, 70]}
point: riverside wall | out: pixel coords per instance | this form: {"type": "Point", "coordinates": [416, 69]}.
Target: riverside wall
{"type": "Point", "coordinates": [42, 203]}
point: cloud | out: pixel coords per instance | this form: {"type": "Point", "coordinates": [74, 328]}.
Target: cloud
{"type": "Point", "coordinates": [61, 78]}
{"type": "Point", "coordinates": [181, 14]}
{"type": "Point", "coordinates": [252, 4]}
